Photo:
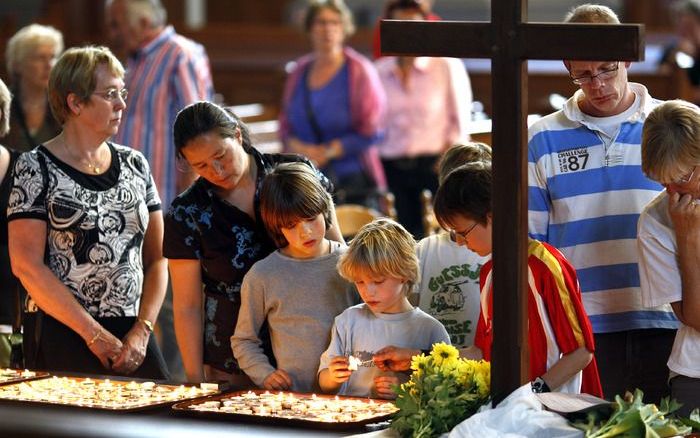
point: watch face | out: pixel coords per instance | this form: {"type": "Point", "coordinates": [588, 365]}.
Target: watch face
{"type": "Point", "coordinates": [538, 385]}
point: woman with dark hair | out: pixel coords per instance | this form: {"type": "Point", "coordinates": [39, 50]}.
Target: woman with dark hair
{"type": "Point", "coordinates": [333, 102]}
{"type": "Point", "coordinates": [213, 235]}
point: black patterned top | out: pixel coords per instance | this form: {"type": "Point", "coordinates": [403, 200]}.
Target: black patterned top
{"type": "Point", "coordinates": [227, 242]}
{"type": "Point", "coordinates": [95, 224]}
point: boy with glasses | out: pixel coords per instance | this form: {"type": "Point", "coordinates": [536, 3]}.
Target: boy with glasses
{"type": "Point", "coordinates": [560, 337]}
{"type": "Point", "coordinates": [586, 191]}
{"type": "Point", "coordinates": [669, 237]}
{"type": "Point", "coordinates": [448, 288]}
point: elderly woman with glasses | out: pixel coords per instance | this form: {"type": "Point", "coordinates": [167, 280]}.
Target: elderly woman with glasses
{"type": "Point", "coordinates": [669, 237]}
{"type": "Point", "coordinates": [86, 231]}
{"type": "Point", "coordinates": [30, 54]}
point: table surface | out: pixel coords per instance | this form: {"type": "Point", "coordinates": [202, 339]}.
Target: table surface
{"type": "Point", "coordinates": [27, 419]}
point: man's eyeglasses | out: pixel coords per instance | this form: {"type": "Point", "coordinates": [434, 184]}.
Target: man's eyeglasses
{"type": "Point", "coordinates": [607, 73]}
{"type": "Point", "coordinates": [113, 94]}
{"type": "Point", "coordinates": [463, 235]}
{"type": "Point", "coordinates": [685, 178]}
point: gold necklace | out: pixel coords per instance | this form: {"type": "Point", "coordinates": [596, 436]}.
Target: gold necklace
{"type": "Point", "coordinates": [92, 167]}
{"type": "Point", "coordinates": [96, 169]}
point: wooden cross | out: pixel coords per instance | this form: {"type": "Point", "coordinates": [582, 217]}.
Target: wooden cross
{"type": "Point", "coordinates": [509, 40]}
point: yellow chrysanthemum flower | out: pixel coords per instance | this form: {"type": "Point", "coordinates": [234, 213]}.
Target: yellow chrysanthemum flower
{"type": "Point", "coordinates": [481, 385]}
{"type": "Point", "coordinates": [464, 371]}
{"type": "Point", "coordinates": [431, 374]}
{"type": "Point", "coordinates": [443, 353]}
{"type": "Point", "coordinates": [419, 363]}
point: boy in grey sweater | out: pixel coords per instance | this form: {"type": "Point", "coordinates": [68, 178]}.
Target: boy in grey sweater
{"type": "Point", "coordinates": [297, 288]}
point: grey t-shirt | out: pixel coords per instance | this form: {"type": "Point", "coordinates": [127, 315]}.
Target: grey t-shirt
{"type": "Point", "coordinates": [360, 332]}
{"type": "Point", "coordinates": [299, 298]}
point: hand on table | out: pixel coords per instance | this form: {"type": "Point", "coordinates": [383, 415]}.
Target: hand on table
{"type": "Point", "coordinates": [278, 380]}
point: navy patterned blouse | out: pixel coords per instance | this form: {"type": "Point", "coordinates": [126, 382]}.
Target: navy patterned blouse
{"type": "Point", "coordinates": [226, 242]}
{"type": "Point", "coordinates": [96, 224]}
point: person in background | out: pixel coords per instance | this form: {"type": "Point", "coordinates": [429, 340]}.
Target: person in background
{"type": "Point", "coordinates": [165, 73]}
{"type": "Point", "coordinates": [685, 51]}
{"type": "Point", "coordinates": [448, 289]}
{"type": "Point", "coordinates": [296, 290]}
{"type": "Point", "coordinates": [559, 335]}
{"type": "Point", "coordinates": [428, 108]}
{"type": "Point", "coordinates": [382, 263]}
{"type": "Point", "coordinates": [332, 105]}
{"type": "Point", "coordinates": [586, 191]}
{"type": "Point", "coordinates": [426, 5]}
{"type": "Point", "coordinates": [9, 310]}
{"type": "Point", "coordinates": [30, 54]}
{"type": "Point", "coordinates": [669, 237]}
{"type": "Point", "coordinates": [214, 233]}
{"type": "Point", "coordinates": [86, 230]}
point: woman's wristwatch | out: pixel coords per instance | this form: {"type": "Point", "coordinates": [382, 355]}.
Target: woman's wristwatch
{"type": "Point", "coordinates": [539, 385]}
{"type": "Point", "coordinates": [147, 323]}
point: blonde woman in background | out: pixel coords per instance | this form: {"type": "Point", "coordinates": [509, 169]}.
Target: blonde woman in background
{"type": "Point", "coordinates": [30, 55]}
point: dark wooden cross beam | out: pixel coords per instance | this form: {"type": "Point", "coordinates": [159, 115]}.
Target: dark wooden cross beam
{"type": "Point", "coordinates": [510, 41]}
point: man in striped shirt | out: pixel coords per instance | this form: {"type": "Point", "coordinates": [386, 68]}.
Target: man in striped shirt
{"type": "Point", "coordinates": [165, 73]}
{"type": "Point", "coordinates": [586, 192]}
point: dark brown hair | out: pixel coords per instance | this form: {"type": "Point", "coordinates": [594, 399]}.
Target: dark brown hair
{"type": "Point", "coordinates": [402, 5]}
{"type": "Point", "coordinates": [462, 153]}
{"type": "Point", "coordinates": [466, 191]}
{"type": "Point", "coordinates": [203, 117]}
{"type": "Point", "coordinates": [290, 193]}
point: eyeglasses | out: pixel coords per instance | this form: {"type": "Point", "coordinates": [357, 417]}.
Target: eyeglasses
{"type": "Point", "coordinates": [113, 94]}
{"type": "Point", "coordinates": [685, 178]}
{"type": "Point", "coordinates": [607, 73]}
{"type": "Point", "coordinates": [463, 235]}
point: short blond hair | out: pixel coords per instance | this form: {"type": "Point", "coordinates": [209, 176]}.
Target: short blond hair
{"type": "Point", "coordinates": [26, 40]}
{"type": "Point", "coordinates": [591, 13]}
{"type": "Point", "coordinates": [462, 153]}
{"type": "Point", "coordinates": [671, 140]}
{"type": "Point", "coordinates": [5, 100]}
{"type": "Point", "coordinates": [74, 72]}
{"type": "Point", "coordinates": [382, 248]}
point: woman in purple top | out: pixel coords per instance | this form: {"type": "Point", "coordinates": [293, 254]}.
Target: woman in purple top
{"type": "Point", "coordinates": [333, 102]}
